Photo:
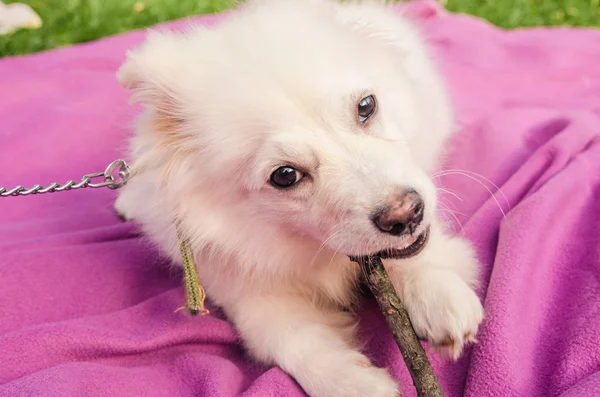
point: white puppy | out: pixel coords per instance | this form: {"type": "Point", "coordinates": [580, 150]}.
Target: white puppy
{"type": "Point", "coordinates": [289, 136]}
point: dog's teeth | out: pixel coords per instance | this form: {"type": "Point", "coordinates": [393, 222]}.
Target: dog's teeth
{"type": "Point", "coordinates": [410, 241]}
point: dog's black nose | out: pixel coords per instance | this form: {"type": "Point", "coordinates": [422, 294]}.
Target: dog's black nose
{"type": "Point", "coordinates": [402, 214]}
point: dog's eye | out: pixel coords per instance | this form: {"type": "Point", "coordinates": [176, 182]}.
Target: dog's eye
{"type": "Point", "coordinates": [285, 177]}
{"type": "Point", "coordinates": [366, 108]}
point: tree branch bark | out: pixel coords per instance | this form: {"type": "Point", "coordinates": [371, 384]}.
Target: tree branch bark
{"type": "Point", "coordinates": [418, 365]}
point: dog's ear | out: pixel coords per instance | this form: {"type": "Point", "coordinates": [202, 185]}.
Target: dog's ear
{"type": "Point", "coordinates": [151, 72]}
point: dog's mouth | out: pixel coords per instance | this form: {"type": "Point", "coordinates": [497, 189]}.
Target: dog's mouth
{"type": "Point", "coordinates": [415, 246]}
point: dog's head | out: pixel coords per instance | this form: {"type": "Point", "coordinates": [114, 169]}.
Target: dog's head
{"type": "Point", "coordinates": [318, 118]}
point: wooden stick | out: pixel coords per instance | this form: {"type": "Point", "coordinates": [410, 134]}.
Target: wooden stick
{"type": "Point", "coordinates": [420, 369]}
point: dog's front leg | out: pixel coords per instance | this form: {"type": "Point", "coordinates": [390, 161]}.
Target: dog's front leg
{"type": "Point", "coordinates": [436, 287]}
{"type": "Point", "coordinates": [311, 344]}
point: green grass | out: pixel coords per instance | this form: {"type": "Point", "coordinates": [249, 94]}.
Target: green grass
{"type": "Point", "coordinates": [67, 22]}
{"type": "Point", "coordinates": [525, 13]}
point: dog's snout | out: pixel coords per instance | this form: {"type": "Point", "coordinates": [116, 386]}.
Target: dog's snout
{"type": "Point", "coordinates": [402, 214]}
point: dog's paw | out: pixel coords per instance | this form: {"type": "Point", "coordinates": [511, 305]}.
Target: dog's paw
{"type": "Point", "coordinates": [444, 310]}
{"type": "Point", "coordinates": [366, 380]}
{"type": "Point", "coordinates": [350, 375]}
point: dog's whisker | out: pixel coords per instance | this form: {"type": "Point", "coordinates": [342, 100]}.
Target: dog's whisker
{"type": "Point", "coordinates": [444, 190]}
{"type": "Point", "coordinates": [448, 208]}
{"type": "Point", "coordinates": [446, 220]}
{"type": "Point", "coordinates": [452, 213]}
{"type": "Point", "coordinates": [322, 246]}
{"type": "Point", "coordinates": [486, 180]}
{"type": "Point", "coordinates": [458, 172]}
{"type": "Point", "coordinates": [335, 253]}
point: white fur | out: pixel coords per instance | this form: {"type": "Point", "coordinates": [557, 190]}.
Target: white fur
{"type": "Point", "coordinates": [277, 84]}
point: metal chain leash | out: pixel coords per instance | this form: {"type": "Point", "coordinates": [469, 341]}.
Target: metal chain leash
{"type": "Point", "coordinates": [114, 176]}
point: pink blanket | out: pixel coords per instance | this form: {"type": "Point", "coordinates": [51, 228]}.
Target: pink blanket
{"type": "Point", "coordinates": [87, 306]}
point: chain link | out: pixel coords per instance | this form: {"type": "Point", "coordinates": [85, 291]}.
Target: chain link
{"type": "Point", "coordinates": [114, 176]}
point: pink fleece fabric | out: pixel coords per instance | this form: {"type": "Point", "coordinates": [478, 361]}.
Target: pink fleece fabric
{"type": "Point", "coordinates": [87, 305]}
